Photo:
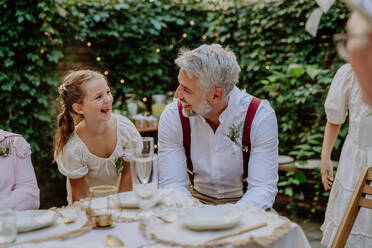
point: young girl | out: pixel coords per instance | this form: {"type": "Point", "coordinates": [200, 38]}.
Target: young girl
{"type": "Point", "coordinates": [96, 150]}
{"type": "Point", "coordinates": [344, 97]}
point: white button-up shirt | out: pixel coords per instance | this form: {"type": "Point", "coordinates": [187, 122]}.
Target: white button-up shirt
{"type": "Point", "coordinates": [218, 161]}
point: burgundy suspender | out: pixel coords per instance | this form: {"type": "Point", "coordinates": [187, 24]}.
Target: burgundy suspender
{"type": "Point", "coordinates": [246, 140]}
{"type": "Point", "coordinates": [186, 142]}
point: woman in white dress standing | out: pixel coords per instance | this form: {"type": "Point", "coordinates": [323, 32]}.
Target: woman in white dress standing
{"type": "Point", "coordinates": [345, 97]}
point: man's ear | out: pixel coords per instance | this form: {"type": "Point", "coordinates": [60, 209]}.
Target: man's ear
{"type": "Point", "coordinates": [216, 95]}
{"type": "Point", "coordinates": [78, 108]}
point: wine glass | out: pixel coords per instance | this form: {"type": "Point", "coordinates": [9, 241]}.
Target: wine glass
{"type": "Point", "coordinates": [144, 178]}
{"type": "Point", "coordinates": [145, 183]}
{"type": "Point", "coordinates": [147, 148]}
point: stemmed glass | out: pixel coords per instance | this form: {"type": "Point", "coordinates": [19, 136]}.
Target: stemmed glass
{"type": "Point", "coordinates": [144, 178]}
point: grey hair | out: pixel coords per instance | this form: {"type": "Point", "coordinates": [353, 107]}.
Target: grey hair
{"type": "Point", "coordinates": [213, 65]}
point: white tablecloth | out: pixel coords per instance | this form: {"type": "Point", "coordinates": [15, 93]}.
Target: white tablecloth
{"type": "Point", "coordinates": [130, 234]}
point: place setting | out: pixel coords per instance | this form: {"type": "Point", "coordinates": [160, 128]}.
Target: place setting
{"type": "Point", "coordinates": [210, 226]}
{"type": "Point", "coordinates": [145, 197]}
{"type": "Point", "coordinates": [34, 226]}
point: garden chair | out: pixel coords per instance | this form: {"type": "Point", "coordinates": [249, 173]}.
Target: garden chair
{"type": "Point", "coordinates": [358, 200]}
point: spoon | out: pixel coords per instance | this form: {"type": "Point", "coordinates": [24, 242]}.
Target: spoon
{"type": "Point", "coordinates": [65, 219]}
{"type": "Point", "coordinates": [114, 241]}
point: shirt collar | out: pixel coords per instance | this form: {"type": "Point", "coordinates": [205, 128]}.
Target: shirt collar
{"type": "Point", "coordinates": [232, 106]}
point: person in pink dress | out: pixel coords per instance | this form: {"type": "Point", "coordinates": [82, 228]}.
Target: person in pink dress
{"type": "Point", "coordinates": [18, 185]}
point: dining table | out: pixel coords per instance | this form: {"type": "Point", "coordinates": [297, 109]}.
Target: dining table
{"type": "Point", "coordinates": [137, 230]}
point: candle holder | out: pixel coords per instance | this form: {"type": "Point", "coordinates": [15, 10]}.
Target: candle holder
{"type": "Point", "coordinates": [100, 205]}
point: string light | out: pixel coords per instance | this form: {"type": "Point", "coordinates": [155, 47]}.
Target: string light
{"type": "Point", "coordinates": [41, 51]}
{"type": "Point", "coordinates": [157, 50]}
{"type": "Point", "coordinates": [204, 37]}
{"type": "Point", "coordinates": [155, 146]}
{"type": "Point", "coordinates": [267, 67]}
{"type": "Point", "coordinates": [311, 89]}
{"type": "Point", "coordinates": [46, 33]}
{"type": "Point", "coordinates": [144, 99]}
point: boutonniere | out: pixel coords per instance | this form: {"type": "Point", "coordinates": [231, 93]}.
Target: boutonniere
{"type": "Point", "coordinates": [119, 164]}
{"type": "Point", "coordinates": [6, 148]}
{"type": "Point", "coordinates": [235, 135]}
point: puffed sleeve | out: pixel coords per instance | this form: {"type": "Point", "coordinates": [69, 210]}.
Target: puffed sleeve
{"type": "Point", "coordinates": [337, 102]}
{"type": "Point", "coordinates": [22, 148]}
{"type": "Point", "coordinates": [72, 161]}
{"type": "Point", "coordinates": [129, 137]}
{"type": "Point", "coordinates": [25, 194]}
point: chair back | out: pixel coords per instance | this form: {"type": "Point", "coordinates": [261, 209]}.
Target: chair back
{"type": "Point", "coordinates": [359, 199]}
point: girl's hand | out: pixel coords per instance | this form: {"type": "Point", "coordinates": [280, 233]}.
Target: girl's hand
{"type": "Point", "coordinates": [326, 169]}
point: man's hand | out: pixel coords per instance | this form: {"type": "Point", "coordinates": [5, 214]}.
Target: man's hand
{"type": "Point", "coordinates": [326, 170]}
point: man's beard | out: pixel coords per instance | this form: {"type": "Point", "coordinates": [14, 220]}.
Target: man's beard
{"type": "Point", "coordinates": [203, 109]}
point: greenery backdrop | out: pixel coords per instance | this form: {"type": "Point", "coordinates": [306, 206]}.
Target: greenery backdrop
{"type": "Point", "coordinates": [137, 41]}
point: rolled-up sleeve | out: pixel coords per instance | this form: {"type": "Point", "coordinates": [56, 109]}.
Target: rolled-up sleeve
{"type": "Point", "coordinates": [172, 158]}
{"type": "Point", "coordinates": [263, 163]}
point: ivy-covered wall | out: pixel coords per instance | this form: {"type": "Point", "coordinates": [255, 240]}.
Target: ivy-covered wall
{"type": "Point", "coordinates": [137, 41]}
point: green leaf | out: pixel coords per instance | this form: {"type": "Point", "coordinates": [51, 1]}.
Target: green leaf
{"type": "Point", "coordinates": [288, 192]}
{"type": "Point", "coordinates": [313, 72]}
{"type": "Point", "coordinates": [97, 18]}
{"type": "Point", "coordinates": [296, 70]}
{"type": "Point", "coordinates": [282, 184]}
{"type": "Point", "coordinates": [300, 176]}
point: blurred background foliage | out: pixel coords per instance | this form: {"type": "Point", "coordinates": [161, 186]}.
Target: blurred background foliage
{"type": "Point", "coordinates": [136, 42]}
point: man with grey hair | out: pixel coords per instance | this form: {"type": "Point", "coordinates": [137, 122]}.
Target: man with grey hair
{"type": "Point", "coordinates": [359, 45]}
{"type": "Point", "coordinates": [216, 141]}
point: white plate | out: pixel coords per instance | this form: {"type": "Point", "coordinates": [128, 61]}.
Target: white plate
{"type": "Point", "coordinates": [129, 199]}
{"type": "Point", "coordinates": [210, 218]}
{"type": "Point", "coordinates": [283, 159]}
{"type": "Point", "coordinates": [34, 219]}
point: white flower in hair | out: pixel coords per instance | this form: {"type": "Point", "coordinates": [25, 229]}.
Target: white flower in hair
{"type": "Point", "coordinates": [61, 88]}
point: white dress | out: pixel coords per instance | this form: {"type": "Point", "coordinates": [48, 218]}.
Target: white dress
{"type": "Point", "coordinates": [345, 96]}
{"type": "Point", "coordinates": [76, 161]}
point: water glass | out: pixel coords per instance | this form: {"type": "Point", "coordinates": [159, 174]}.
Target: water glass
{"type": "Point", "coordinates": [8, 227]}
{"type": "Point", "coordinates": [101, 202]}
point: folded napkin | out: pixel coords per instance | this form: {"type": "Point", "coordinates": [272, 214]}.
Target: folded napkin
{"type": "Point", "coordinates": [34, 219]}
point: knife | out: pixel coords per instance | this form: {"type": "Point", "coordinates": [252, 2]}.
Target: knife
{"type": "Point", "coordinates": [238, 233]}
